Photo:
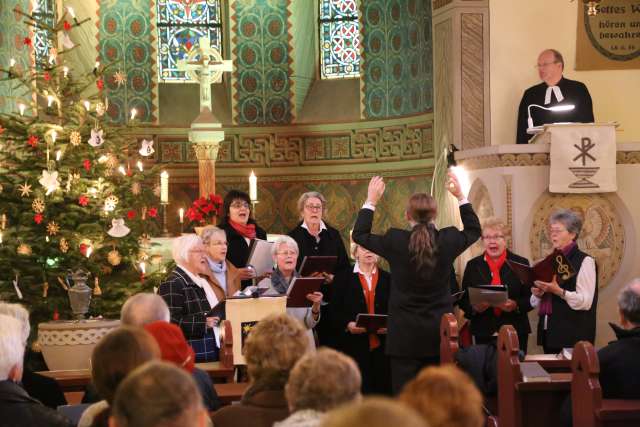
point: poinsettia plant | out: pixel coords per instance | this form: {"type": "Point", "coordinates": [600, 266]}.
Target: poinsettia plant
{"type": "Point", "coordinates": [205, 209]}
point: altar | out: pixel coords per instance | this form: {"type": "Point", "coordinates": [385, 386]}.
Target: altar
{"type": "Point", "coordinates": [512, 182]}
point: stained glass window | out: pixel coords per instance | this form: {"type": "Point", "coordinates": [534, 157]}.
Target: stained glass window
{"type": "Point", "coordinates": [181, 23]}
{"type": "Point", "coordinates": [44, 10]}
{"type": "Point", "coordinates": [339, 39]}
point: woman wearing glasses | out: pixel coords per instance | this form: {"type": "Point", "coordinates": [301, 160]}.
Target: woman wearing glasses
{"type": "Point", "coordinates": [316, 238]}
{"type": "Point", "coordinates": [241, 228]}
{"type": "Point", "coordinates": [285, 255]}
{"type": "Point", "coordinates": [491, 268]}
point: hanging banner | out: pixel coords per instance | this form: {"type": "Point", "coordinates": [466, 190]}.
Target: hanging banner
{"type": "Point", "coordinates": [609, 40]}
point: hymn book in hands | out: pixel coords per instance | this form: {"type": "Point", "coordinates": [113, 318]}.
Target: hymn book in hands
{"type": "Point", "coordinates": [555, 264]}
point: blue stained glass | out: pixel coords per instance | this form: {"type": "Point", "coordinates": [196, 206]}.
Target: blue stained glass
{"type": "Point", "coordinates": [45, 10]}
{"type": "Point", "coordinates": [181, 24]}
{"type": "Point", "coordinates": [339, 39]}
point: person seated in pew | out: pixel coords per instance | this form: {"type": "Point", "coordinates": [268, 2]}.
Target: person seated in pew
{"type": "Point", "coordinates": [158, 394]}
{"type": "Point", "coordinates": [17, 408]}
{"type": "Point", "coordinates": [113, 358]}
{"type": "Point", "coordinates": [285, 255]}
{"type": "Point", "coordinates": [445, 397]}
{"type": "Point", "coordinates": [491, 268]}
{"type": "Point", "coordinates": [174, 348]}
{"type": "Point", "coordinates": [567, 313]}
{"type": "Point", "coordinates": [42, 388]}
{"type": "Point", "coordinates": [272, 348]}
{"type": "Point", "coordinates": [619, 367]}
{"type": "Point", "coordinates": [374, 412]}
{"type": "Point", "coordinates": [365, 289]}
{"type": "Point", "coordinates": [319, 382]}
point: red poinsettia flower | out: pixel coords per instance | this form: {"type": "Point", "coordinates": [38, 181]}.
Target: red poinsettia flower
{"type": "Point", "coordinates": [46, 76]}
{"type": "Point", "coordinates": [131, 214]}
{"type": "Point", "coordinates": [87, 165]}
{"type": "Point", "coordinates": [38, 218]}
{"type": "Point", "coordinates": [27, 41]}
{"type": "Point", "coordinates": [205, 209]}
{"type": "Point", "coordinates": [100, 84]}
{"type": "Point", "coordinates": [33, 141]}
{"type": "Point", "coordinates": [67, 26]}
{"type": "Point", "coordinates": [153, 212]}
{"type": "Point", "coordinates": [83, 200]}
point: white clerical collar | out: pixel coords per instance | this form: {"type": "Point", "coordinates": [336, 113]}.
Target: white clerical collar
{"type": "Point", "coordinates": [556, 91]}
{"type": "Point", "coordinates": [323, 226]}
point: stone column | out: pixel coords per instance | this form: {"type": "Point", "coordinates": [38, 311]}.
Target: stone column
{"type": "Point", "coordinates": [206, 134]}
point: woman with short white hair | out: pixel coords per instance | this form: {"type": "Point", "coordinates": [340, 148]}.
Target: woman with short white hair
{"type": "Point", "coordinates": [190, 297]}
{"type": "Point", "coordinates": [285, 255]}
{"type": "Point", "coordinates": [223, 276]}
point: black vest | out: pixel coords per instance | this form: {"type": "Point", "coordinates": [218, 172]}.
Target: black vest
{"type": "Point", "coordinates": [567, 326]}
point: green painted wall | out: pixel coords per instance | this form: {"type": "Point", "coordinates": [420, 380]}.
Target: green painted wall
{"type": "Point", "coordinates": [12, 46]}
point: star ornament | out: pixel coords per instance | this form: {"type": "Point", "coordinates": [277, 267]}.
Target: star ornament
{"type": "Point", "coordinates": [25, 189]}
{"type": "Point", "coordinates": [119, 78]}
{"type": "Point", "coordinates": [49, 180]}
{"type": "Point", "coordinates": [53, 228]}
{"type": "Point", "coordinates": [97, 138]}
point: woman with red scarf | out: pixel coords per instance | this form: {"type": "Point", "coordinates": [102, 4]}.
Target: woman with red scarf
{"type": "Point", "coordinates": [241, 228]}
{"type": "Point", "coordinates": [491, 268]}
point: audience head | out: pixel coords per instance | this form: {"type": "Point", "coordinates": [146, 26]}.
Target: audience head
{"type": "Point", "coordinates": [374, 412]}
{"type": "Point", "coordinates": [12, 345]}
{"type": "Point", "coordinates": [362, 255]}
{"type": "Point", "coordinates": [273, 346]}
{"type": "Point", "coordinates": [311, 206]}
{"type": "Point", "coordinates": [494, 232]}
{"type": "Point", "coordinates": [421, 211]}
{"type": "Point", "coordinates": [173, 345]}
{"type": "Point", "coordinates": [144, 308]}
{"type": "Point", "coordinates": [285, 253]}
{"type": "Point", "coordinates": [158, 394]}
{"type": "Point", "coordinates": [629, 305]}
{"type": "Point", "coordinates": [322, 380]}
{"type": "Point", "coordinates": [215, 242]}
{"type": "Point", "coordinates": [446, 397]}
{"type": "Point", "coordinates": [189, 252]}
{"type": "Point", "coordinates": [237, 207]}
{"type": "Point", "coordinates": [564, 227]}
{"type": "Point", "coordinates": [117, 354]}
{"type": "Point", "coordinates": [19, 312]}
{"type": "Point", "coordinates": [550, 66]}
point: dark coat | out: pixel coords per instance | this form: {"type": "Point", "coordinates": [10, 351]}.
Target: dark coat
{"type": "Point", "coordinates": [619, 367]}
{"type": "Point", "coordinates": [237, 247]}
{"type": "Point", "coordinates": [45, 389]}
{"type": "Point", "coordinates": [485, 324]}
{"type": "Point", "coordinates": [261, 409]}
{"type": "Point", "coordinates": [417, 304]}
{"type": "Point", "coordinates": [18, 409]}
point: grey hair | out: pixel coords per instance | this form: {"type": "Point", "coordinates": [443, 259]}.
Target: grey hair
{"type": "Point", "coordinates": [181, 247]}
{"type": "Point", "coordinates": [11, 344]}
{"type": "Point", "coordinates": [19, 312]}
{"type": "Point", "coordinates": [209, 231]}
{"type": "Point", "coordinates": [571, 221]}
{"type": "Point", "coordinates": [284, 240]}
{"type": "Point", "coordinates": [144, 308]}
{"type": "Point", "coordinates": [629, 301]}
{"type": "Point", "coordinates": [308, 195]}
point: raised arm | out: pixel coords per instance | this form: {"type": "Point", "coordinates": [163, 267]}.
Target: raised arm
{"type": "Point", "coordinates": [362, 228]}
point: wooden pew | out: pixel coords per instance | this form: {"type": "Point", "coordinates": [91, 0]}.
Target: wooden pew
{"type": "Point", "coordinates": [448, 338]}
{"type": "Point", "coordinates": [589, 409]}
{"type": "Point", "coordinates": [526, 404]}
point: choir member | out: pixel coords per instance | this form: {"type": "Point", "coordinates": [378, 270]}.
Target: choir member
{"type": "Point", "coordinates": [420, 261]}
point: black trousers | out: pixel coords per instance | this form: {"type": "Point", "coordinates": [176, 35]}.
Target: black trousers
{"type": "Point", "coordinates": [404, 369]}
{"type": "Point", "coordinates": [376, 376]}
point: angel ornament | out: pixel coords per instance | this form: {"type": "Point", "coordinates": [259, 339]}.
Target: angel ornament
{"type": "Point", "coordinates": [147, 148]}
{"type": "Point", "coordinates": [97, 138]}
{"type": "Point", "coordinates": [118, 229]}
{"type": "Point", "coordinates": [49, 180]}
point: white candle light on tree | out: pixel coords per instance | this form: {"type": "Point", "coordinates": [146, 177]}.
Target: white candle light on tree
{"type": "Point", "coordinates": [181, 215]}
{"type": "Point", "coordinates": [164, 187]}
{"type": "Point", "coordinates": [253, 187]}
{"type": "Point", "coordinates": [21, 108]}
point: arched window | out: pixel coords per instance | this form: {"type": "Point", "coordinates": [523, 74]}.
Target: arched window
{"type": "Point", "coordinates": [339, 39]}
{"type": "Point", "coordinates": [44, 11]}
{"type": "Point", "coordinates": [180, 24]}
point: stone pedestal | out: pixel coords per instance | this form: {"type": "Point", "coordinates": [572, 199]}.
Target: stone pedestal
{"type": "Point", "coordinates": [206, 134]}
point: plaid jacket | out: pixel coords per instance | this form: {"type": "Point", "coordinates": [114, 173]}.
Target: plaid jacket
{"type": "Point", "coordinates": [188, 306]}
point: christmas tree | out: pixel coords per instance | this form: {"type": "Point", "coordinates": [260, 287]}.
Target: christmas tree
{"type": "Point", "coordinates": [74, 190]}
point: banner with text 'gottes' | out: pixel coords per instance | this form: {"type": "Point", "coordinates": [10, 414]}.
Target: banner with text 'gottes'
{"type": "Point", "coordinates": [610, 39]}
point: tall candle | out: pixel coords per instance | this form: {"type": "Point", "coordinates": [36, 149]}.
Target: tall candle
{"type": "Point", "coordinates": [164, 187]}
{"type": "Point", "coordinates": [253, 187]}
{"type": "Point", "coordinates": [181, 215]}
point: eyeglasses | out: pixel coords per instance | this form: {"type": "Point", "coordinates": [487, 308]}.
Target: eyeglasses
{"type": "Point", "coordinates": [239, 205]}
{"type": "Point", "coordinates": [494, 238]}
{"type": "Point", "coordinates": [197, 251]}
{"type": "Point", "coordinates": [545, 64]}
{"type": "Point", "coordinates": [313, 207]}
{"type": "Point", "coordinates": [557, 230]}
{"type": "Point", "coordinates": [287, 253]}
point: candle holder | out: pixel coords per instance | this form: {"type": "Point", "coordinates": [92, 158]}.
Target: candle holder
{"type": "Point", "coordinates": [253, 207]}
{"type": "Point", "coordinates": [165, 230]}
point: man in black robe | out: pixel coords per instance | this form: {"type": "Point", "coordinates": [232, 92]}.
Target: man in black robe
{"type": "Point", "coordinates": [554, 90]}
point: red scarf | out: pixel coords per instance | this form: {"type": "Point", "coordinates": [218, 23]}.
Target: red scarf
{"type": "Point", "coordinates": [495, 266]}
{"type": "Point", "coordinates": [370, 298]}
{"type": "Point", "coordinates": [245, 230]}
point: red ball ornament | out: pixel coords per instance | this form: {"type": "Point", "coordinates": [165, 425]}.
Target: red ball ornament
{"type": "Point", "coordinates": [67, 26]}
{"type": "Point", "coordinates": [87, 165]}
{"type": "Point", "coordinates": [33, 141]}
{"type": "Point", "coordinates": [131, 214]}
{"type": "Point", "coordinates": [100, 84]}
{"type": "Point", "coordinates": [83, 200]}
{"type": "Point", "coordinates": [83, 249]}
{"type": "Point", "coordinates": [27, 41]}
{"type": "Point", "coordinates": [46, 77]}
{"type": "Point", "coordinates": [38, 218]}
{"type": "Point", "coordinates": [153, 212]}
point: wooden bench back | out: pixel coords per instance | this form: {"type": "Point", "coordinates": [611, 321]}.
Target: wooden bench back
{"type": "Point", "coordinates": [448, 338]}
